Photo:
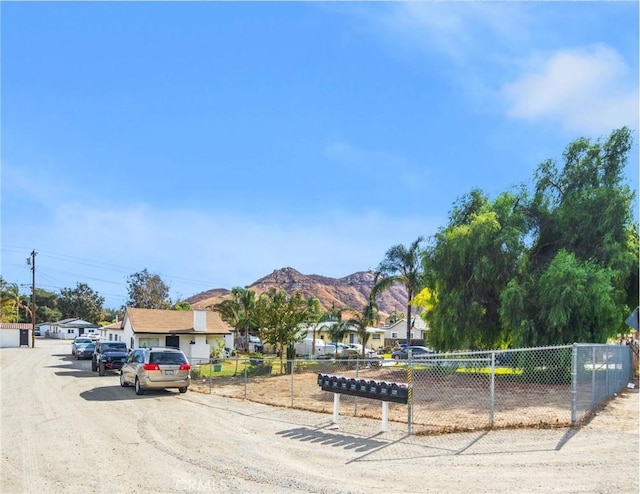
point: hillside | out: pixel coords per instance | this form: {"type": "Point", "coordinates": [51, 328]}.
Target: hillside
{"type": "Point", "coordinates": [350, 291]}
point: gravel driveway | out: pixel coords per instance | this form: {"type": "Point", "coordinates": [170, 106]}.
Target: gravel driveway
{"type": "Point", "coordinates": [65, 429]}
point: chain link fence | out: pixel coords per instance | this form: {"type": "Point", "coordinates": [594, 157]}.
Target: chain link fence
{"type": "Point", "coordinates": [462, 391]}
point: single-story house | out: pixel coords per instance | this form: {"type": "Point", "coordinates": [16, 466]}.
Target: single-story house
{"type": "Point", "coordinates": [375, 342]}
{"type": "Point", "coordinates": [15, 334]}
{"type": "Point", "coordinates": [68, 329]}
{"type": "Point", "coordinates": [192, 331]}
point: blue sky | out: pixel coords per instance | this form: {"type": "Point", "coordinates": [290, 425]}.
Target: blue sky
{"type": "Point", "coordinates": [213, 142]}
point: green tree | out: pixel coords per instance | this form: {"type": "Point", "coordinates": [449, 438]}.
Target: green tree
{"type": "Point", "coordinates": [240, 312]}
{"type": "Point", "coordinates": [11, 302]}
{"type": "Point", "coordinates": [337, 331]}
{"type": "Point", "coordinates": [111, 315]}
{"type": "Point", "coordinates": [402, 265]}
{"type": "Point", "coordinates": [314, 317]}
{"type": "Point", "coordinates": [147, 291]}
{"type": "Point", "coordinates": [46, 305]}
{"type": "Point", "coordinates": [361, 321]}
{"type": "Point", "coordinates": [468, 266]}
{"type": "Point", "coordinates": [575, 301]}
{"type": "Point", "coordinates": [583, 232]}
{"type": "Point", "coordinates": [280, 316]}
{"type": "Point", "coordinates": [181, 305]}
{"type": "Point", "coordinates": [81, 302]}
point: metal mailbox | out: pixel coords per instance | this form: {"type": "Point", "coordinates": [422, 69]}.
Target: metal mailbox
{"type": "Point", "coordinates": [377, 390]}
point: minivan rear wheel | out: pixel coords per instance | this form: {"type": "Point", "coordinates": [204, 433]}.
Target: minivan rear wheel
{"type": "Point", "coordinates": [139, 390]}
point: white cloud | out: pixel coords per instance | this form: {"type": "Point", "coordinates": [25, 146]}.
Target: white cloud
{"type": "Point", "coordinates": [460, 30]}
{"type": "Point", "coordinates": [588, 90]}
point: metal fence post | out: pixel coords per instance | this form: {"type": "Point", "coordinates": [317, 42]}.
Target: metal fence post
{"type": "Point", "coordinates": [355, 398]}
{"type": "Point", "coordinates": [492, 390]}
{"type": "Point", "coordinates": [293, 364]}
{"type": "Point", "coordinates": [593, 378]}
{"type": "Point", "coordinates": [574, 384]}
{"type": "Point", "coordinates": [410, 391]}
{"type": "Point", "coordinates": [607, 384]}
{"type": "Point", "coordinates": [246, 378]}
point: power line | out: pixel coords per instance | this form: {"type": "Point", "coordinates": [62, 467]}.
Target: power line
{"type": "Point", "coordinates": [103, 265]}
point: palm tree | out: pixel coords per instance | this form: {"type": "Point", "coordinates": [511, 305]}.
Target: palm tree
{"type": "Point", "coordinates": [11, 302]}
{"type": "Point", "coordinates": [240, 313]}
{"type": "Point", "coordinates": [338, 328]}
{"type": "Point", "coordinates": [369, 315]}
{"type": "Point", "coordinates": [402, 265]}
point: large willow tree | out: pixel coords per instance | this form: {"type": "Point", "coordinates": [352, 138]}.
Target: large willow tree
{"type": "Point", "coordinates": [555, 265]}
{"type": "Point", "coordinates": [467, 268]}
{"type": "Point", "coordinates": [579, 279]}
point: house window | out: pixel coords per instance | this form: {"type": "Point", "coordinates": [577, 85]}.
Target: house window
{"type": "Point", "coordinates": [394, 335]}
{"type": "Point", "coordinates": [148, 342]}
{"type": "Point", "coordinates": [70, 331]}
{"type": "Point", "coordinates": [110, 337]}
{"type": "Point", "coordinates": [376, 336]}
{"type": "Point", "coordinates": [132, 342]}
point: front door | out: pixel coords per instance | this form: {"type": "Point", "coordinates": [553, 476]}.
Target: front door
{"type": "Point", "coordinates": [24, 337]}
{"type": "Point", "coordinates": [172, 341]}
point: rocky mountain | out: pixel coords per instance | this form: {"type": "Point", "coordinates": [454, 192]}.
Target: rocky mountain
{"type": "Point", "coordinates": [349, 292]}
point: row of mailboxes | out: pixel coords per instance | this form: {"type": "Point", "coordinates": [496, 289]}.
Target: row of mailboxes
{"type": "Point", "coordinates": [378, 390]}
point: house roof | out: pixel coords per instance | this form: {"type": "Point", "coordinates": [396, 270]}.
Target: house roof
{"type": "Point", "coordinates": [416, 323]}
{"type": "Point", "coordinates": [162, 321]}
{"type": "Point", "coordinates": [74, 322]}
{"type": "Point", "coordinates": [113, 325]}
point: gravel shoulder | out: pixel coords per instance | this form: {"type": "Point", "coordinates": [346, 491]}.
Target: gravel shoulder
{"type": "Point", "coordinates": [65, 429]}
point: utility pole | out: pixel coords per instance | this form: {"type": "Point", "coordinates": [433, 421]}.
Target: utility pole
{"type": "Point", "coordinates": [31, 261]}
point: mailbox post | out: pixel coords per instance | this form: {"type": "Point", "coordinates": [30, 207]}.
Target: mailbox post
{"type": "Point", "coordinates": [378, 390]}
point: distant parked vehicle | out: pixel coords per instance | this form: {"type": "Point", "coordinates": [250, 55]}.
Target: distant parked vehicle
{"type": "Point", "coordinates": [79, 341]}
{"type": "Point", "coordinates": [309, 347]}
{"type": "Point", "coordinates": [108, 355]}
{"type": "Point", "coordinates": [156, 368]}
{"type": "Point", "coordinates": [92, 333]}
{"type": "Point", "coordinates": [505, 359]}
{"type": "Point", "coordinates": [85, 351]}
{"type": "Point", "coordinates": [417, 352]}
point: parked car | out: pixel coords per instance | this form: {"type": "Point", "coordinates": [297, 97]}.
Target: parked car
{"type": "Point", "coordinates": [108, 355]}
{"type": "Point", "coordinates": [156, 368]}
{"type": "Point", "coordinates": [505, 359]}
{"type": "Point", "coordinates": [92, 333]}
{"type": "Point", "coordinates": [79, 341]}
{"type": "Point", "coordinates": [417, 352]}
{"type": "Point", "coordinates": [85, 351]}
{"type": "Point", "coordinates": [343, 350]}
{"type": "Point", "coordinates": [255, 344]}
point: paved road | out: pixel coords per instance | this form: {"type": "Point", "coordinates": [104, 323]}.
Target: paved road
{"type": "Point", "coordinates": [65, 429]}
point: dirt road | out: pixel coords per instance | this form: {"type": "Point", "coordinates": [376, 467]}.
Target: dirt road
{"type": "Point", "coordinates": [65, 429]}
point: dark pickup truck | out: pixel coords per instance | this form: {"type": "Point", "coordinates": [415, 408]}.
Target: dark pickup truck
{"type": "Point", "coordinates": [109, 355]}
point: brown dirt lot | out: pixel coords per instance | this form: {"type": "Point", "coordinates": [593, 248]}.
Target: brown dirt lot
{"type": "Point", "coordinates": [441, 403]}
